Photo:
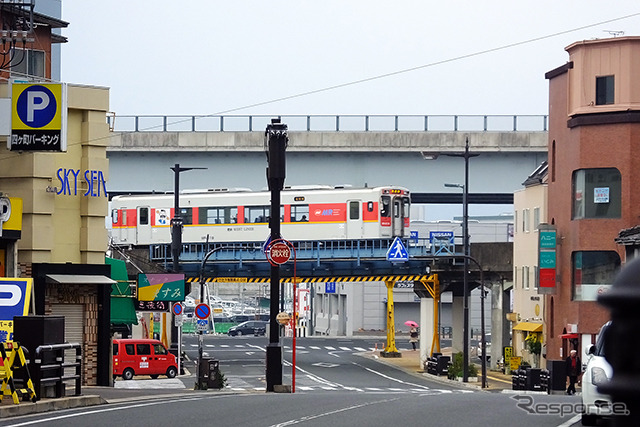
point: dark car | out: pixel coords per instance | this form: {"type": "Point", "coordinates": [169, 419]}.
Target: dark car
{"type": "Point", "coordinates": [252, 327]}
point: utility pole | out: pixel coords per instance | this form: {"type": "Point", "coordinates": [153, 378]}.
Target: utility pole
{"type": "Point", "coordinates": [275, 144]}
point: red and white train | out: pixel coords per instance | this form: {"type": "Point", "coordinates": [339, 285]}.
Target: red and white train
{"type": "Point", "coordinates": [306, 213]}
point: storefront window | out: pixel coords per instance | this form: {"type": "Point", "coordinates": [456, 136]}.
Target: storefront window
{"type": "Point", "coordinates": [593, 273]}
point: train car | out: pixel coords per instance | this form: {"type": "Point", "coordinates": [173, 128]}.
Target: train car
{"type": "Point", "coordinates": [306, 213]}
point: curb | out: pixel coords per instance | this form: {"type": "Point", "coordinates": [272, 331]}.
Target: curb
{"type": "Point", "coordinates": [26, 408]}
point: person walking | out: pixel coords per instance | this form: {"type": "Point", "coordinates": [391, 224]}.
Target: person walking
{"type": "Point", "coordinates": [413, 337]}
{"type": "Point", "coordinates": [574, 369]}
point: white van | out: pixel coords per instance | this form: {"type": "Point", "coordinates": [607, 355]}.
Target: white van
{"type": "Point", "coordinates": [598, 371]}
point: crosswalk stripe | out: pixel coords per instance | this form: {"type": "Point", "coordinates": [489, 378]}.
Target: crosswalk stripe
{"type": "Point", "coordinates": [345, 348]}
{"type": "Point", "coordinates": [359, 349]}
{"type": "Point", "coordinates": [329, 348]}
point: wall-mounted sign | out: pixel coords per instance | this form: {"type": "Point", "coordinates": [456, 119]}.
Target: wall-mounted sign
{"type": "Point", "coordinates": [152, 305]}
{"type": "Point", "coordinates": [547, 241]}
{"type": "Point", "coordinates": [38, 117]}
{"type": "Point", "coordinates": [72, 180]}
{"type": "Point", "coordinates": [10, 218]}
{"type": "Point", "coordinates": [161, 287]}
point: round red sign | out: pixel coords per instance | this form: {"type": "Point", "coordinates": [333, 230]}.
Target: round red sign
{"type": "Point", "coordinates": [279, 253]}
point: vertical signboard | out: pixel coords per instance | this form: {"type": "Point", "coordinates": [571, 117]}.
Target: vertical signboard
{"type": "Point", "coordinates": [546, 259]}
{"type": "Point", "coordinates": [38, 117]}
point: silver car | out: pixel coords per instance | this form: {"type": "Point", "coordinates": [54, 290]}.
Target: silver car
{"type": "Point", "coordinates": [597, 373]}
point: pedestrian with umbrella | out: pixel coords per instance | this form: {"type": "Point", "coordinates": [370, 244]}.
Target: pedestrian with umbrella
{"type": "Point", "coordinates": [413, 333]}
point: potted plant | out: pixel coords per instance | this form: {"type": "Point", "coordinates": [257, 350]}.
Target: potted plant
{"type": "Point", "coordinates": [456, 371]}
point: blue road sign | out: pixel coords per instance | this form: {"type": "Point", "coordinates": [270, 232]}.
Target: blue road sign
{"type": "Point", "coordinates": [397, 251]}
{"type": "Point", "coordinates": [413, 235]}
{"type": "Point", "coordinates": [202, 311]}
{"type": "Point", "coordinates": [177, 309]}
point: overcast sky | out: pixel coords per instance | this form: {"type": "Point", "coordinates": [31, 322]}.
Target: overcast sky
{"type": "Point", "coordinates": [210, 56]}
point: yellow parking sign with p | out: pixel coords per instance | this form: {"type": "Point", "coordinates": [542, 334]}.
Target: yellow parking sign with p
{"type": "Point", "coordinates": [38, 116]}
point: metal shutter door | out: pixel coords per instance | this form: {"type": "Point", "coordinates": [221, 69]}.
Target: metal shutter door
{"type": "Point", "coordinates": [73, 331]}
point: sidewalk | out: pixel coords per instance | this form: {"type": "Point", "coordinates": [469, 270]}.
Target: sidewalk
{"type": "Point", "coordinates": [409, 361]}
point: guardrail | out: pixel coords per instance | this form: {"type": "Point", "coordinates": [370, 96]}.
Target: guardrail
{"type": "Point", "coordinates": [50, 367]}
{"type": "Point", "coordinates": [331, 123]}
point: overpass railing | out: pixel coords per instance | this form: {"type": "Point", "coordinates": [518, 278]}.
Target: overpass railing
{"type": "Point", "coordinates": [331, 123]}
{"type": "Point", "coordinates": [316, 250]}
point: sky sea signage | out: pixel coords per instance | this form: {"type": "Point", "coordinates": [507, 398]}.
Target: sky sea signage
{"type": "Point", "coordinates": [38, 117]}
{"type": "Point", "coordinates": [89, 183]}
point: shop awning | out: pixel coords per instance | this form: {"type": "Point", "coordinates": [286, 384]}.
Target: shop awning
{"type": "Point", "coordinates": [528, 327]}
{"type": "Point", "coordinates": [79, 279]}
{"type": "Point", "coordinates": [568, 336]}
{"type": "Point", "coordinates": [123, 311]}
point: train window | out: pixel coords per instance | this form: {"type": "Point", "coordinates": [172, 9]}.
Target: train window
{"type": "Point", "coordinates": [299, 213]}
{"type": "Point", "coordinates": [385, 211]}
{"type": "Point", "coordinates": [186, 215]}
{"type": "Point", "coordinates": [226, 215]}
{"type": "Point", "coordinates": [354, 210]}
{"type": "Point", "coordinates": [231, 215]}
{"type": "Point", "coordinates": [143, 214]}
{"type": "Point", "coordinates": [406, 208]}
{"type": "Point", "coordinates": [114, 216]}
{"type": "Point", "coordinates": [370, 206]}
{"type": "Point", "coordinates": [211, 215]}
{"type": "Point", "coordinates": [396, 209]}
{"type": "Point", "coordinates": [256, 213]}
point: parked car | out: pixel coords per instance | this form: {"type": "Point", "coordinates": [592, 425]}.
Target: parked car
{"type": "Point", "coordinates": [142, 357]}
{"type": "Point", "coordinates": [252, 327]}
{"type": "Point", "coordinates": [597, 372]}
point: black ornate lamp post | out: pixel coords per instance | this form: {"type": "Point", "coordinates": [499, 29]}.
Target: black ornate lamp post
{"type": "Point", "coordinates": [276, 140]}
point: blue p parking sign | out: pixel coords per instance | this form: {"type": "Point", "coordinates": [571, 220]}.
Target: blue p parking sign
{"type": "Point", "coordinates": [38, 114]}
{"type": "Point", "coordinates": [36, 106]}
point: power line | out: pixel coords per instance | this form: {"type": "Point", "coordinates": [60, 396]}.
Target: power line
{"type": "Point", "coordinates": [385, 75]}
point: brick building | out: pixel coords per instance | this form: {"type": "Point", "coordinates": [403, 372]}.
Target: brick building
{"type": "Point", "coordinates": [594, 172]}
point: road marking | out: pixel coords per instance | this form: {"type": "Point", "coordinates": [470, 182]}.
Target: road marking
{"type": "Point", "coordinates": [359, 349]}
{"type": "Point", "coordinates": [169, 383]}
{"type": "Point", "coordinates": [329, 348]}
{"type": "Point", "coordinates": [313, 347]}
{"type": "Point", "coordinates": [117, 408]}
{"type": "Point", "coordinates": [337, 411]}
{"type": "Point", "coordinates": [570, 422]}
{"type": "Point", "coordinates": [345, 348]}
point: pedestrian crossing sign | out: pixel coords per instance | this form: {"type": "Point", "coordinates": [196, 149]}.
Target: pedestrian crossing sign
{"type": "Point", "coordinates": [397, 251]}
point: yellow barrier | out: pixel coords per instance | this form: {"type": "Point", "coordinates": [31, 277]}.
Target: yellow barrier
{"type": "Point", "coordinates": [14, 361]}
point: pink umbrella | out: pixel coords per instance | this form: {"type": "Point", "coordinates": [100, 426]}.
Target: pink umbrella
{"type": "Point", "coordinates": [411, 323]}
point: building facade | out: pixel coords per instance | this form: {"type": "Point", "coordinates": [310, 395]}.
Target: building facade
{"type": "Point", "coordinates": [61, 239]}
{"type": "Point", "coordinates": [530, 210]}
{"type": "Point", "coordinates": [594, 169]}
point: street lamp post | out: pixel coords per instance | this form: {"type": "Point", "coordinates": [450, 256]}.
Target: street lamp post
{"type": "Point", "coordinates": [176, 240]}
{"type": "Point", "coordinates": [465, 241]}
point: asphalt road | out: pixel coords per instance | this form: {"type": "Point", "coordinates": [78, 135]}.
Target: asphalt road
{"type": "Point", "coordinates": [338, 382]}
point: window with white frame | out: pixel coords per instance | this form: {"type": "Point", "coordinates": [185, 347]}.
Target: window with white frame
{"type": "Point", "coordinates": [28, 62]}
{"type": "Point", "coordinates": [536, 218]}
{"type": "Point", "coordinates": [525, 277]}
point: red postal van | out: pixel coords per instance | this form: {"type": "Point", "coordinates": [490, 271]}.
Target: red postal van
{"type": "Point", "coordinates": [142, 357]}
